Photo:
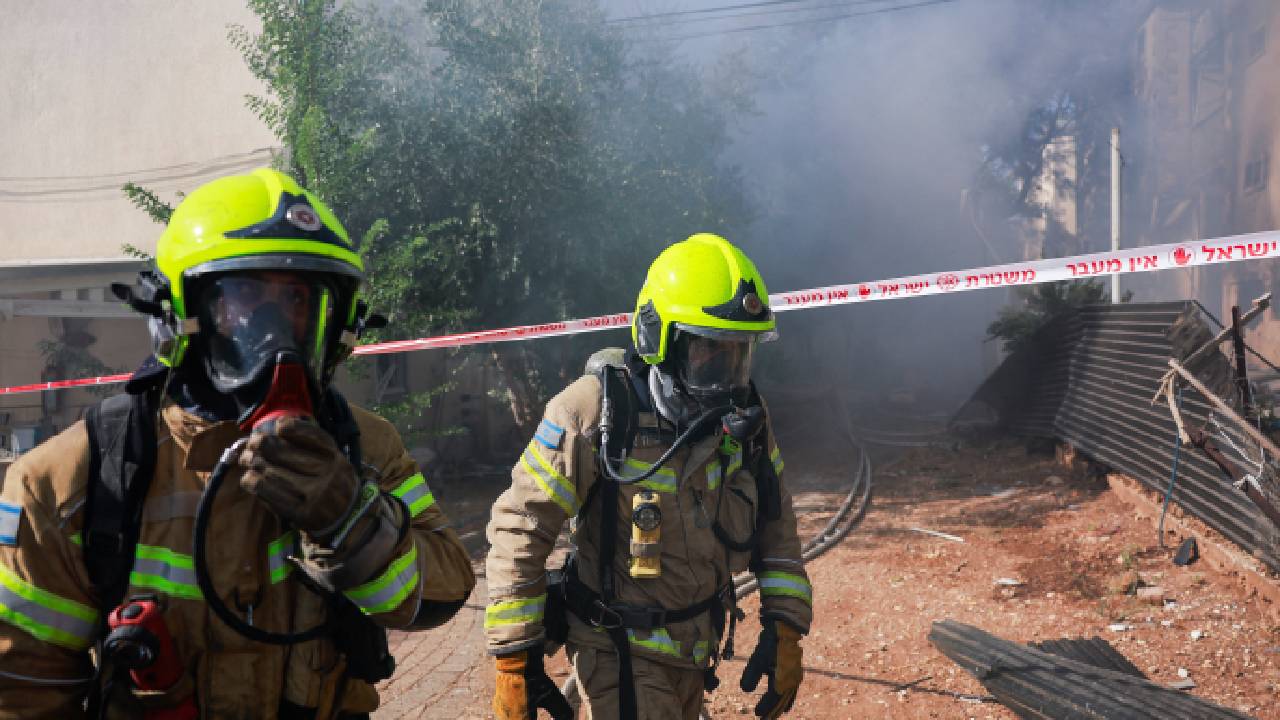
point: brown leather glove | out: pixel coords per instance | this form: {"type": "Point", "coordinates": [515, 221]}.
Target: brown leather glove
{"type": "Point", "coordinates": [777, 655]}
{"type": "Point", "coordinates": [523, 686]}
{"type": "Point", "coordinates": [296, 468]}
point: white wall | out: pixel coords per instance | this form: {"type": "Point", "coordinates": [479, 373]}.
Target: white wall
{"type": "Point", "coordinates": [93, 94]}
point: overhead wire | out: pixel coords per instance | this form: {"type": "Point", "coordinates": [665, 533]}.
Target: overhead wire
{"type": "Point", "coordinates": [36, 189]}
{"type": "Point", "coordinates": [667, 16]}
{"type": "Point", "coordinates": [793, 23]}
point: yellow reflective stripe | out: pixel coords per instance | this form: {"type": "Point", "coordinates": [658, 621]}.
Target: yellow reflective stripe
{"type": "Point", "coordinates": [776, 458]}
{"type": "Point", "coordinates": [556, 486]}
{"type": "Point", "coordinates": [515, 612]}
{"type": "Point", "coordinates": [735, 463]}
{"type": "Point", "coordinates": [43, 615]}
{"type": "Point", "coordinates": [664, 480]}
{"type": "Point", "coordinates": [658, 641]}
{"type": "Point", "coordinates": [415, 494]}
{"type": "Point", "coordinates": [773, 582]}
{"type": "Point", "coordinates": [700, 650]}
{"type": "Point", "coordinates": [160, 568]}
{"type": "Point", "coordinates": [278, 552]}
{"type": "Point", "coordinates": [388, 590]}
{"type": "Point", "coordinates": [713, 475]}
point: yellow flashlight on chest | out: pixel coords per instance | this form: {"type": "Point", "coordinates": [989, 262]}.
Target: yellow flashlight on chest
{"type": "Point", "coordinates": [646, 534]}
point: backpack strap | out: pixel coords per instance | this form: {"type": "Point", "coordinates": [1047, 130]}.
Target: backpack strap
{"type": "Point", "coordinates": [122, 455]}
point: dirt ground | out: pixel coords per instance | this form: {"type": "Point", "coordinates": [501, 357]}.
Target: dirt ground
{"type": "Point", "coordinates": [1073, 549]}
{"type": "Point", "coordinates": [1076, 552]}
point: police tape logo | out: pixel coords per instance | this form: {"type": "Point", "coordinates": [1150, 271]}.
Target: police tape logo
{"type": "Point", "coordinates": [1182, 256]}
{"type": "Point", "coordinates": [948, 282]}
{"type": "Point", "coordinates": [303, 217]}
{"type": "Point", "coordinates": [864, 291]}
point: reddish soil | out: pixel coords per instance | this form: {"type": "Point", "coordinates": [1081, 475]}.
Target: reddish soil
{"type": "Point", "coordinates": [1074, 548]}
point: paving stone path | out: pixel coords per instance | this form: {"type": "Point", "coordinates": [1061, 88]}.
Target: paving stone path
{"type": "Point", "coordinates": [441, 673]}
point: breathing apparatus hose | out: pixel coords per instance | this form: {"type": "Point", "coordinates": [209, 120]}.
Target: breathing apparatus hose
{"type": "Point", "coordinates": [203, 579]}
{"type": "Point", "coordinates": [606, 430]}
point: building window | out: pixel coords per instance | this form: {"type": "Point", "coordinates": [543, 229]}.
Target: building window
{"type": "Point", "coordinates": [1255, 173]}
{"type": "Point", "coordinates": [390, 377]}
{"type": "Point", "coordinates": [1255, 44]}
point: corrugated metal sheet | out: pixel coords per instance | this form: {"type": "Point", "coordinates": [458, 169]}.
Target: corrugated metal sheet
{"type": "Point", "coordinates": [1043, 686]}
{"type": "Point", "coordinates": [1090, 382]}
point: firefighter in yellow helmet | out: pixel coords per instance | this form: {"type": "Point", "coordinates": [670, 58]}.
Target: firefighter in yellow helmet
{"type": "Point", "coordinates": [666, 464]}
{"type": "Point", "coordinates": [229, 536]}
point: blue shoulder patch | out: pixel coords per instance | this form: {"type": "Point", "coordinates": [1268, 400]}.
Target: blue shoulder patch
{"type": "Point", "coordinates": [549, 434]}
{"type": "Point", "coordinates": [10, 517]}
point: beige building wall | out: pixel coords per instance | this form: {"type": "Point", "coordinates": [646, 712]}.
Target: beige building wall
{"type": "Point", "coordinates": [1206, 81]}
{"type": "Point", "coordinates": [95, 94]}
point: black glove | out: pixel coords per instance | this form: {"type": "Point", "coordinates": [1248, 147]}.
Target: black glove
{"type": "Point", "coordinates": [777, 655]}
{"type": "Point", "coordinates": [523, 686]}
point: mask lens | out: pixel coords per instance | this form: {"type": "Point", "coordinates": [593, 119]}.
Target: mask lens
{"type": "Point", "coordinates": [714, 366]}
{"type": "Point", "coordinates": [249, 318]}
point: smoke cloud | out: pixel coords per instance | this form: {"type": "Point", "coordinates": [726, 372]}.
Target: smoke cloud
{"type": "Point", "coordinates": [862, 157]}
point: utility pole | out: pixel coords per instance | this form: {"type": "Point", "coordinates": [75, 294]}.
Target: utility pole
{"type": "Point", "coordinates": [1115, 207]}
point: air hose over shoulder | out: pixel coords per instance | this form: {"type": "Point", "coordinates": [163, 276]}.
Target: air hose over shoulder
{"type": "Point", "coordinates": [608, 440]}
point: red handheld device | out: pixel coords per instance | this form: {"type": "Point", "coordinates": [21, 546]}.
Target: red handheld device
{"type": "Point", "coordinates": [140, 641]}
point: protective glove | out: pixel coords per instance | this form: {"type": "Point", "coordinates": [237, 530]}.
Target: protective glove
{"type": "Point", "coordinates": [523, 686]}
{"type": "Point", "coordinates": [777, 655]}
{"type": "Point", "coordinates": [296, 468]}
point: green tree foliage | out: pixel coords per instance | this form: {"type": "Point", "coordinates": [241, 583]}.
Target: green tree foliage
{"type": "Point", "coordinates": [1041, 305]}
{"type": "Point", "coordinates": [503, 162]}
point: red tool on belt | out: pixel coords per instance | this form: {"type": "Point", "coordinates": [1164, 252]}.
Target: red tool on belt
{"type": "Point", "coordinates": [140, 642]}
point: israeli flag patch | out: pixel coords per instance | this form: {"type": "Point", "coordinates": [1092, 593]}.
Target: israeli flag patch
{"type": "Point", "coordinates": [549, 434]}
{"type": "Point", "coordinates": [10, 517]}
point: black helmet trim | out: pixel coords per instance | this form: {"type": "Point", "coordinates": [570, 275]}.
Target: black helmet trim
{"type": "Point", "coordinates": [746, 305]}
{"type": "Point", "coordinates": [294, 219]}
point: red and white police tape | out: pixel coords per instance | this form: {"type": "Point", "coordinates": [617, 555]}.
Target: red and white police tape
{"type": "Point", "coordinates": [1255, 246]}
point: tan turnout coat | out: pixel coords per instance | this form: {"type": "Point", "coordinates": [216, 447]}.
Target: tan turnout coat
{"type": "Point", "coordinates": [49, 615]}
{"type": "Point", "coordinates": [554, 476]}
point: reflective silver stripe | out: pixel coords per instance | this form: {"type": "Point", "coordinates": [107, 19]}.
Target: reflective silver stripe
{"type": "Point", "coordinates": [278, 552]}
{"type": "Point", "coordinates": [780, 583]}
{"type": "Point", "coordinates": [388, 591]}
{"type": "Point", "coordinates": [659, 641]}
{"type": "Point", "coordinates": [414, 495]}
{"type": "Point", "coordinates": [165, 571]}
{"type": "Point", "coordinates": [655, 482]}
{"type": "Point", "coordinates": [43, 614]}
{"type": "Point", "coordinates": [552, 483]}
{"type": "Point", "coordinates": [171, 507]}
{"type": "Point", "coordinates": [515, 612]}
{"type": "Point", "coordinates": [714, 476]}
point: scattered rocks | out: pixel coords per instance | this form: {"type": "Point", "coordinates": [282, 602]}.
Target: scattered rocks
{"type": "Point", "coordinates": [1152, 595]}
